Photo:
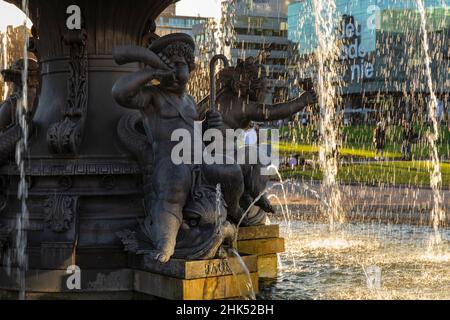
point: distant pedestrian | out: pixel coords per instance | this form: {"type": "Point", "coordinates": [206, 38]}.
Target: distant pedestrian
{"type": "Point", "coordinates": [293, 162]}
{"type": "Point", "coordinates": [379, 139]}
{"type": "Point", "coordinates": [408, 137]}
{"type": "Point", "coordinates": [304, 122]}
{"type": "Point", "coordinates": [251, 137]}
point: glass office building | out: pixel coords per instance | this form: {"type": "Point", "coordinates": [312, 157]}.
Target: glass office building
{"type": "Point", "coordinates": [372, 16]}
{"type": "Point", "coordinates": [177, 24]}
{"type": "Point", "coordinates": [259, 25]}
{"type": "Point", "coordinates": [381, 52]}
{"type": "Point", "coordinates": [169, 22]}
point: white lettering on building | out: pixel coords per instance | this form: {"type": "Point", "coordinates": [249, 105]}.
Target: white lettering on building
{"type": "Point", "coordinates": [353, 52]}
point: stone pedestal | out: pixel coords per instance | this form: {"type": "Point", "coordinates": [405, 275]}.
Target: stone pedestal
{"type": "Point", "coordinates": [176, 280]}
{"type": "Point", "coordinates": [195, 280]}
{"type": "Point", "coordinates": [265, 242]}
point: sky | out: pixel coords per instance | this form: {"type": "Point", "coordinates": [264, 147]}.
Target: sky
{"type": "Point", "coordinates": [10, 15]}
{"type": "Point", "coordinates": [204, 8]}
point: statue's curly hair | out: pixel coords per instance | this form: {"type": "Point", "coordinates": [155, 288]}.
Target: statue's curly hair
{"type": "Point", "coordinates": [247, 79]}
{"type": "Point", "coordinates": [181, 49]}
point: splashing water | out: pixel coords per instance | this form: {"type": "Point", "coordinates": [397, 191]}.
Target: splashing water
{"type": "Point", "coordinates": [283, 189]}
{"type": "Point", "coordinates": [237, 265]}
{"type": "Point", "coordinates": [286, 211]}
{"type": "Point", "coordinates": [437, 213]}
{"type": "Point", "coordinates": [333, 244]}
{"type": "Point", "coordinates": [207, 47]}
{"type": "Point", "coordinates": [228, 35]}
{"type": "Point", "coordinates": [326, 54]}
{"type": "Point", "coordinates": [360, 261]}
{"type": "Point", "coordinates": [21, 150]}
{"type": "Point", "coordinates": [219, 38]}
{"type": "Point", "coordinates": [244, 215]}
{"type": "Point", "coordinates": [4, 58]}
{"type": "Point", "coordinates": [219, 210]}
{"type": "Point", "coordinates": [285, 208]}
{"type": "Point", "coordinates": [241, 275]}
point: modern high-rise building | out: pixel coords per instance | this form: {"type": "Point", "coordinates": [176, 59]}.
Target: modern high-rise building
{"type": "Point", "coordinates": [260, 25]}
{"type": "Point", "coordinates": [257, 24]}
{"type": "Point", "coordinates": [382, 61]}
{"type": "Point", "coordinates": [168, 22]}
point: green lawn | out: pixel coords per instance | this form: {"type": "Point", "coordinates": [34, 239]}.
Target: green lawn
{"type": "Point", "coordinates": [357, 142]}
{"type": "Point", "coordinates": [415, 173]}
{"type": "Point", "coordinates": [357, 145]}
{"type": "Point", "coordinates": [311, 151]}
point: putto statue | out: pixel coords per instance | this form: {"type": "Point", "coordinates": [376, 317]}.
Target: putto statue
{"type": "Point", "coordinates": [10, 131]}
{"type": "Point", "coordinates": [240, 98]}
{"type": "Point", "coordinates": [186, 204]}
{"type": "Point", "coordinates": [241, 94]}
{"type": "Point", "coordinates": [189, 206]}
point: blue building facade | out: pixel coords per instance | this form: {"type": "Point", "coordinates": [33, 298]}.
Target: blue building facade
{"type": "Point", "coordinates": [372, 17]}
{"type": "Point", "coordinates": [381, 54]}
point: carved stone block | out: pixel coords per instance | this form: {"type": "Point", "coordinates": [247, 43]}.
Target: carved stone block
{"type": "Point", "coordinates": [188, 270]}
{"type": "Point", "coordinates": [60, 211]}
{"type": "Point", "coordinates": [265, 242]}
{"type": "Point", "coordinates": [215, 288]}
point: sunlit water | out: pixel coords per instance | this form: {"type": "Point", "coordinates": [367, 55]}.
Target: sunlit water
{"type": "Point", "coordinates": [339, 265]}
{"type": "Point", "coordinates": [218, 38]}
{"type": "Point", "coordinates": [4, 57]}
{"type": "Point", "coordinates": [241, 275]}
{"type": "Point", "coordinates": [326, 54]}
{"type": "Point", "coordinates": [438, 214]}
{"type": "Point", "coordinates": [21, 153]}
{"type": "Point", "coordinates": [240, 272]}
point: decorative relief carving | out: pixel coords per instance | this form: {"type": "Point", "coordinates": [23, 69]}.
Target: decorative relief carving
{"type": "Point", "coordinates": [77, 168]}
{"type": "Point", "coordinates": [60, 211]}
{"type": "Point", "coordinates": [65, 136]}
{"type": "Point", "coordinates": [5, 233]}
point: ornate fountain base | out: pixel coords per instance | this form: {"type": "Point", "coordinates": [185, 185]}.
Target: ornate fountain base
{"type": "Point", "coordinates": [265, 243]}
{"type": "Point", "coordinates": [195, 280]}
{"type": "Point", "coordinates": [176, 280]}
{"type": "Point", "coordinates": [53, 284]}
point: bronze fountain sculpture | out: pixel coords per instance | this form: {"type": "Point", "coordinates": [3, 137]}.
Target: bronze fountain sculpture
{"type": "Point", "coordinates": [171, 59]}
{"type": "Point", "coordinates": [171, 201]}
{"type": "Point", "coordinates": [240, 99]}
{"type": "Point", "coordinates": [99, 170]}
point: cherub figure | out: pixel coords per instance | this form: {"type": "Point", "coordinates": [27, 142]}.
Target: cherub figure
{"type": "Point", "coordinates": [158, 90]}
{"type": "Point", "coordinates": [240, 98]}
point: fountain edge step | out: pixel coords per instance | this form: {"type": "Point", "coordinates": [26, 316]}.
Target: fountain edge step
{"type": "Point", "coordinates": [259, 232]}
{"type": "Point", "coordinates": [192, 269]}
{"type": "Point", "coordinates": [213, 288]}
{"type": "Point", "coordinates": [217, 282]}
{"type": "Point", "coordinates": [261, 246]}
{"type": "Point", "coordinates": [268, 266]}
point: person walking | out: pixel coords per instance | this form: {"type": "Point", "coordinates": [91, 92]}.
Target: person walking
{"type": "Point", "coordinates": [251, 136]}
{"type": "Point", "coordinates": [408, 136]}
{"type": "Point", "coordinates": [379, 139]}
